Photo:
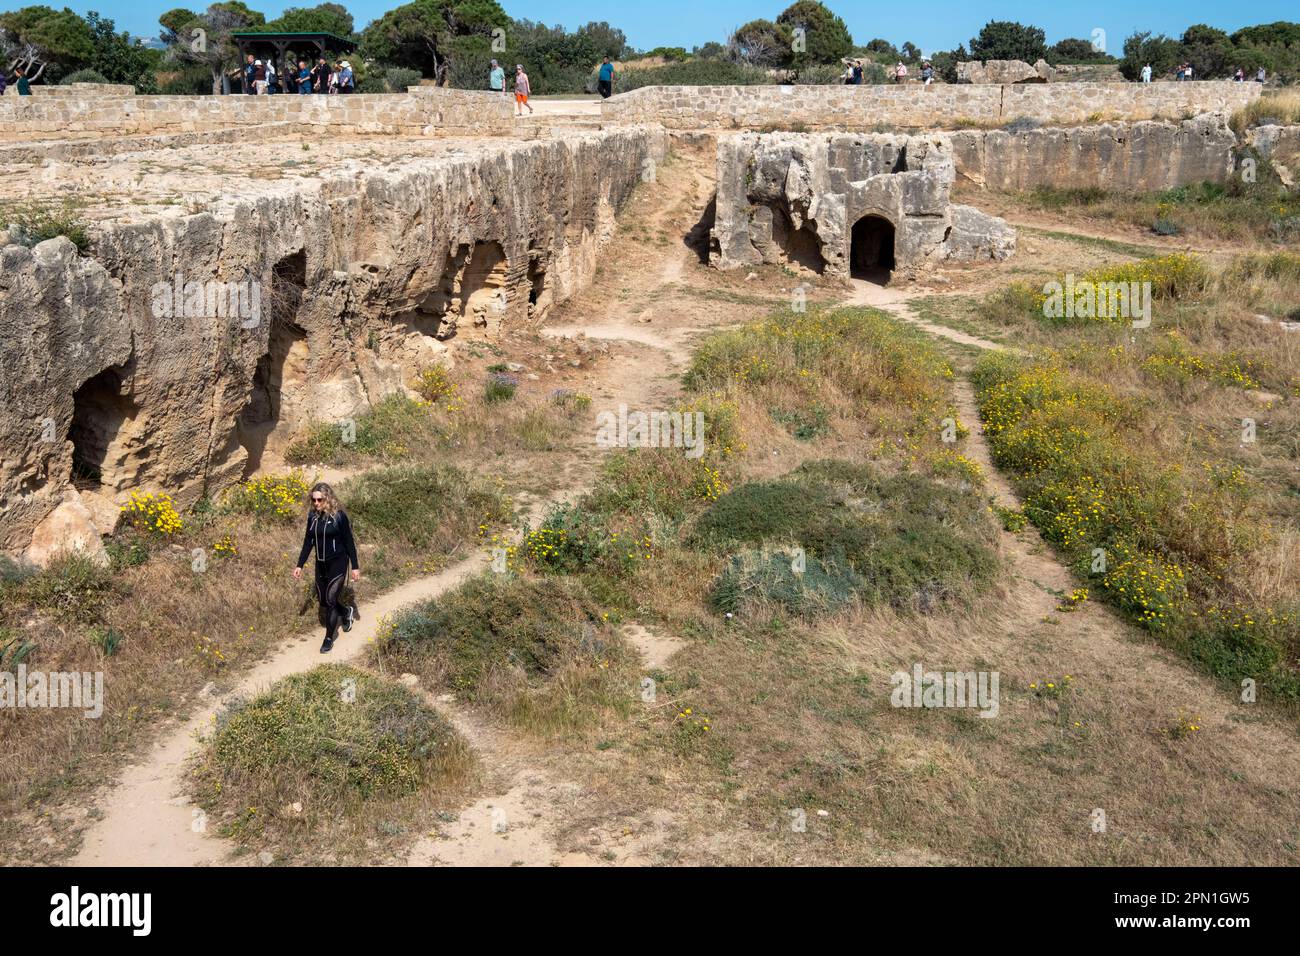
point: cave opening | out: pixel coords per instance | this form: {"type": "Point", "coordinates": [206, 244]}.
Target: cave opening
{"type": "Point", "coordinates": [101, 408]}
{"type": "Point", "coordinates": [871, 249]}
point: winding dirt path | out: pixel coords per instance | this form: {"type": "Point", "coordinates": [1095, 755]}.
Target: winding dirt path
{"type": "Point", "coordinates": [147, 820]}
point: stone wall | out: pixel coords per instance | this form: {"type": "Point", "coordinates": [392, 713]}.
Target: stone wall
{"type": "Point", "coordinates": [940, 106]}
{"type": "Point", "coordinates": [419, 110]}
{"type": "Point", "coordinates": [1122, 157]}
{"type": "Point", "coordinates": [361, 275]}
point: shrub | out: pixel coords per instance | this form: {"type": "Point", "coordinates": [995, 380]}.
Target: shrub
{"type": "Point", "coordinates": [278, 497]}
{"type": "Point", "coordinates": [71, 586]}
{"type": "Point", "coordinates": [755, 576]}
{"type": "Point", "coordinates": [425, 506]}
{"type": "Point", "coordinates": [538, 651]}
{"type": "Point", "coordinates": [500, 388]}
{"type": "Point", "coordinates": [83, 76]}
{"type": "Point", "coordinates": [33, 223]}
{"type": "Point", "coordinates": [332, 738]}
{"type": "Point", "coordinates": [913, 543]}
{"type": "Point", "coordinates": [695, 73]}
{"type": "Point", "coordinates": [153, 514]}
{"type": "Point", "coordinates": [433, 385]}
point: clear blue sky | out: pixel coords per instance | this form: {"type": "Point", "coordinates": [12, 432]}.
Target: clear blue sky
{"type": "Point", "coordinates": [930, 24]}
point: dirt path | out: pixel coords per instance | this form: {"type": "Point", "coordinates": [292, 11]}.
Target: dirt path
{"type": "Point", "coordinates": [898, 303]}
{"type": "Point", "coordinates": [147, 821]}
{"type": "Point", "coordinates": [145, 818]}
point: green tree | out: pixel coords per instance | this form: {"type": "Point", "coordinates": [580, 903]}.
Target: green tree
{"type": "Point", "coordinates": [1140, 49]}
{"type": "Point", "coordinates": [1006, 40]}
{"type": "Point", "coordinates": [1074, 50]}
{"type": "Point", "coordinates": [120, 60]}
{"type": "Point", "coordinates": [826, 38]}
{"type": "Point", "coordinates": [206, 38]}
{"type": "Point", "coordinates": [911, 53]}
{"type": "Point", "coordinates": [427, 35]}
{"type": "Point", "coordinates": [324, 18]}
{"type": "Point", "coordinates": [1209, 51]}
{"type": "Point", "coordinates": [760, 43]}
{"type": "Point", "coordinates": [42, 39]}
{"type": "Point", "coordinates": [882, 47]}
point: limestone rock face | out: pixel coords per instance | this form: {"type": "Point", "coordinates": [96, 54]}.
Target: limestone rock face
{"type": "Point", "coordinates": [842, 204]}
{"type": "Point", "coordinates": [124, 370]}
{"type": "Point", "coordinates": [69, 528]}
{"type": "Point", "coordinates": [1280, 145]}
{"type": "Point", "coordinates": [998, 72]}
{"type": "Point", "coordinates": [1125, 157]}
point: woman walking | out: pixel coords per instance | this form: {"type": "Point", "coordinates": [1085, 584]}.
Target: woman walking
{"type": "Point", "coordinates": [329, 532]}
{"type": "Point", "coordinates": [522, 90]}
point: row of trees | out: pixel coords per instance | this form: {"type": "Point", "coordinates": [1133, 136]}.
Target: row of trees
{"type": "Point", "coordinates": [452, 41]}
{"type": "Point", "coordinates": [52, 44]}
{"type": "Point", "coordinates": [1214, 53]}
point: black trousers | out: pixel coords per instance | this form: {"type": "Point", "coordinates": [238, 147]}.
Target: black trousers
{"type": "Point", "coordinates": [330, 578]}
{"type": "Point", "coordinates": [605, 88]}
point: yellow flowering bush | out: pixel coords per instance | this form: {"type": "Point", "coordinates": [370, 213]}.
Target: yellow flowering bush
{"type": "Point", "coordinates": [279, 497]}
{"type": "Point", "coordinates": [152, 513]}
{"type": "Point", "coordinates": [434, 385]}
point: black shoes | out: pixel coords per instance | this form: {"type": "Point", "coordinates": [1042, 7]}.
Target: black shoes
{"type": "Point", "coordinates": [327, 645]}
{"type": "Point", "coordinates": [349, 614]}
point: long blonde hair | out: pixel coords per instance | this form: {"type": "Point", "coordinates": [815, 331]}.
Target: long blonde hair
{"type": "Point", "coordinates": [332, 505]}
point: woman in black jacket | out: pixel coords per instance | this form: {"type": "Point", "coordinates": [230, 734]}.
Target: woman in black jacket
{"type": "Point", "coordinates": [329, 533]}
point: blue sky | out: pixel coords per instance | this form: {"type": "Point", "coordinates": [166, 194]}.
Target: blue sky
{"type": "Point", "coordinates": [931, 24]}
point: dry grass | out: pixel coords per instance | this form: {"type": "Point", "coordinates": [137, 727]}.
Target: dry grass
{"type": "Point", "coordinates": [1280, 107]}
{"type": "Point", "coordinates": [181, 628]}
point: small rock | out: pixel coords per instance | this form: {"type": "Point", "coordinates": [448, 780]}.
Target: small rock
{"type": "Point", "coordinates": [410, 680]}
{"type": "Point", "coordinates": [575, 363]}
{"type": "Point", "coordinates": [514, 366]}
{"type": "Point", "coordinates": [823, 813]}
{"type": "Point", "coordinates": [751, 275]}
{"type": "Point", "coordinates": [296, 806]}
{"type": "Point", "coordinates": [266, 857]}
{"type": "Point", "coordinates": [533, 376]}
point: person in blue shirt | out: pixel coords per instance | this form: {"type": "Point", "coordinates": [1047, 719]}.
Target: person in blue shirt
{"type": "Point", "coordinates": [250, 70]}
{"type": "Point", "coordinates": [24, 87]}
{"type": "Point", "coordinates": [605, 79]}
{"type": "Point", "coordinates": [304, 77]}
{"type": "Point", "coordinates": [497, 78]}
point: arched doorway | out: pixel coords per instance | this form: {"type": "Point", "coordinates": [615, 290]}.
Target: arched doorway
{"type": "Point", "coordinates": [871, 249]}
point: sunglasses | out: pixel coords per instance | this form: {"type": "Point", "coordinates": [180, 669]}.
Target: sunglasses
{"type": "Point", "coordinates": [317, 498]}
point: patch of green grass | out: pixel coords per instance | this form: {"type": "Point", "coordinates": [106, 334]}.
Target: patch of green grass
{"type": "Point", "coordinates": [913, 543]}
{"type": "Point", "coordinates": [381, 432]}
{"type": "Point", "coordinates": [536, 650]}
{"type": "Point", "coordinates": [333, 740]}
{"type": "Point", "coordinates": [38, 222]}
{"type": "Point", "coordinates": [804, 586]}
{"type": "Point", "coordinates": [500, 388]}
{"type": "Point", "coordinates": [428, 507]}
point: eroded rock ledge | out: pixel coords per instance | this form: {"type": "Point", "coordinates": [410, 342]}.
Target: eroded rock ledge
{"type": "Point", "coordinates": [362, 272]}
